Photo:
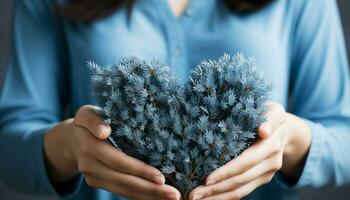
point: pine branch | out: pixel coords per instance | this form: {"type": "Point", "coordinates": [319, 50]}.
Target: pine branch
{"type": "Point", "coordinates": [187, 131]}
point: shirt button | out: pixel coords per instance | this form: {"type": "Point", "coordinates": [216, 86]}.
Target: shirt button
{"type": "Point", "coordinates": [176, 52]}
{"type": "Point", "coordinates": [189, 12]}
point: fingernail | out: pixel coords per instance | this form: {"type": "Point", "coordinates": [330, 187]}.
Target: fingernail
{"type": "Point", "coordinates": [103, 130]}
{"type": "Point", "coordinates": [159, 179]}
{"type": "Point", "coordinates": [267, 129]}
{"type": "Point", "coordinates": [210, 181]}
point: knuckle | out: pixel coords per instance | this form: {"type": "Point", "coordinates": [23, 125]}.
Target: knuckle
{"type": "Point", "coordinates": [237, 182]}
{"type": "Point", "coordinates": [276, 167]}
{"type": "Point", "coordinates": [157, 191]}
{"type": "Point", "coordinates": [277, 164]}
{"type": "Point", "coordinates": [266, 179]}
{"type": "Point", "coordinates": [135, 170]}
{"type": "Point", "coordinates": [211, 191]}
{"type": "Point", "coordinates": [221, 176]}
{"type": "Point", "coordinates": [247, 165]}
{"type": "Point", "coordinates": [83, 167]}
{"type": "Point", "coordinates": [91, 182]}
{"type": "Point", "coordinates": [142, 166]}
{"type": "Point", "coordinates": [122, 182]}
{"type": "Point", "coordinates": [146, 170]}
{"type": "Point", "coordinates": [269, 178]}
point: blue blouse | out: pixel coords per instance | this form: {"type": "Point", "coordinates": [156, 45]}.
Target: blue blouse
{"type": "Point", "coordinates": [298, 44]}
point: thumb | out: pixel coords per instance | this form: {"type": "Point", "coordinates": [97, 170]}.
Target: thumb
{"type": "Point", "coordinates": [265, 130]}
{"type": "Point", "coordinates": [87, 118]}
{"type": "Point", "coordinates": [275, 116]}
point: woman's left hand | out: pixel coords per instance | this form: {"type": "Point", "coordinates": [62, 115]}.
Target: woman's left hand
{"type": "Point", "coordinates": [282, 145]}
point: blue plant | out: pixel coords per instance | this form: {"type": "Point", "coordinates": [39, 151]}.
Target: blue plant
{"type": "Point", "coordinates": [186, 131]}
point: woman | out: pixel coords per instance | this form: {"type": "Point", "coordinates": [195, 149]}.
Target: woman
{"type": "Point", "coordinates": [299, 45]}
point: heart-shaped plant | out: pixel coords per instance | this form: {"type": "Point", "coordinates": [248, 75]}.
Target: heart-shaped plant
{"type": "Point", "coordinates": [186, 131]}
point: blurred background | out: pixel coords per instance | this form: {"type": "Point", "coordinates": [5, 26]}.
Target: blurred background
{"type": "Point", "coordinates": [6, 193]}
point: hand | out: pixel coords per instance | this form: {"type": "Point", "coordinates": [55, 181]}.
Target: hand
{"type": "Point", "coordinates": [283, 144]}
{"type": "Point", "coordinates": [103, 166]}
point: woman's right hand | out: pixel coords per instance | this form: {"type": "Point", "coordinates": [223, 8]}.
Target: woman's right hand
{"type": "Point", "coordinates": [79, 146]}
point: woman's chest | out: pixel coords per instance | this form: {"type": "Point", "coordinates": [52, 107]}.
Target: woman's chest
{"type": "Point", "coordinates": [150, 32]}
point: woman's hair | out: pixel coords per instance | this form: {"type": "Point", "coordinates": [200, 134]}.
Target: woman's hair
{"type": "Point", "coordinates": [90, 10]}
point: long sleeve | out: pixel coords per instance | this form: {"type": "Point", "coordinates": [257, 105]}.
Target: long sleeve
{"type": "Point", "coordinates": [320, 92]}
{"type": "Point", "coordinates": [33, 96]}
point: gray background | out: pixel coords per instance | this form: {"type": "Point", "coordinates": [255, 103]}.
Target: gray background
{"type": "Point", "coordinates": [342, 193]}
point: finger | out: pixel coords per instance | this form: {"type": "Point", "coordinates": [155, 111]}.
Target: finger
{"type": "Point", "coordinates": [98, 169]}
{"type": "Point", "coordinates": [87, 118]}
{"type": "Point", "coordinates": [243, 162]}
{"type": "Point", "coordinates": [258, 152]}
{"type": "Point", "coordinates": [244, 190]}
{"type": "Point", "coordinates": [274, 117]}
{"type": "Point", "coordinates": [130, 193]}
{"type": "Point", "coordinates": [122, 162]}
{"type": "Point", "coordinates": [270, 165]}
{"type": "Point", "coordinates": [194, 193]}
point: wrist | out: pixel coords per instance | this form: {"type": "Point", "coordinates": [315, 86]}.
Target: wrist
{"type": "Point", "coordinates": [298, 136]}
{"type": "Point", "coordinates": [59, 158]}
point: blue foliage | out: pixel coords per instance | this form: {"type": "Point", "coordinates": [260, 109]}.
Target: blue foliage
{"type": "Point", "coordinates": [185, 131]}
